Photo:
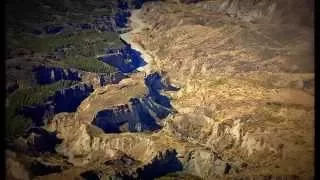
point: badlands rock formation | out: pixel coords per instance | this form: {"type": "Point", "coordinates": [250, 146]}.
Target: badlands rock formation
{"type": "Point", "coordinates": [228, 93]}
{"type": "Point", "coordinates": [244, 70]}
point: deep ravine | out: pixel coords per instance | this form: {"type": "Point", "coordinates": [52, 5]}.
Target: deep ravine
{"type": "Point", "coordinates": [137, 26]}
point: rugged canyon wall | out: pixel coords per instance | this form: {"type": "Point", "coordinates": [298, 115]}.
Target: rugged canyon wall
{"type": "Point", "coordinates": [93, 140]}
{"type": "Point", "coordinates": [262, 11]}
{"type": "Point", "coordinates": [48, 75]}
{"type": "Point", "coordinates": [244, 69]}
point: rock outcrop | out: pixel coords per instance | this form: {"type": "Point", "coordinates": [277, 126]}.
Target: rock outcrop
{"type": "Point", "coordinates": [36, 141]}
{"type": "Point", "coordinates": [39, 140]}
{"type": "Point", "coordinates": [128, 168]}
{"type": "Point", "coordinates": [133, 117]}
{"type": "Point", "coordinates": [141, 114]}
{"type": "Point", "coordinates": [197, 164]}
{"type": "Point", "coordinates": [162, 163]}
{"type": "Point", "coordinates": [48, 75]}
{"type": "Point", "coordinates": [83, 143]}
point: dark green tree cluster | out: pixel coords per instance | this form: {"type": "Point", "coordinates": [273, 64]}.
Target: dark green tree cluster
{"type": "Point", "coordinates": [89, 65]}
{"type": "Point", "coordinates": [15, 123]}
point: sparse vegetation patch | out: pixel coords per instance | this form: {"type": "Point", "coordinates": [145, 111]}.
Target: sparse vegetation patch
{"type": "Point", "coordinates": [88, 64]}
{"type": "Point", "coordinates": [87, 43]}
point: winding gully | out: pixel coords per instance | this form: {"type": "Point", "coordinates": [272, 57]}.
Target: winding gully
{"type": "Point", "coordinates": [137, 26]}
{"type": "Point", "coordinates": [141, 113]}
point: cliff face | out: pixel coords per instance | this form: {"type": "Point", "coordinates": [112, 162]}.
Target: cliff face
{"type": "Point", "coordinates": [141, 113]}
{"type": "Point", "coordinates": [48, 75]}
{"type": "Point", "coordinates": [135, 117]}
